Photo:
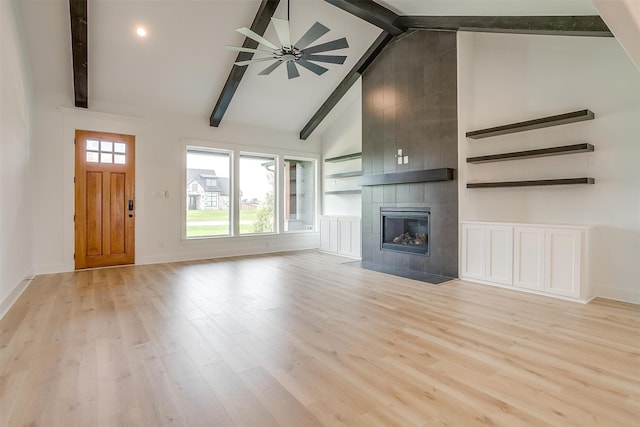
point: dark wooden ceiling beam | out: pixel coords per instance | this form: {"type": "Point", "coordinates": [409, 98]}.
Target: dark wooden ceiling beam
{"type": "Point", "coordinates": [373, 13]}
{"type": "Point", "coordinates": [79, 50]}
{"type": "Point", "coordinates": [352, 76]}
{"type": "Point", "coordinates": [395, 25]}
{"type": "Point", "coordinates": [259, 25]}
{"type": "Point", "coordinates": [587, 25]}
{"type": "Point", "coordinates": [377, 15]}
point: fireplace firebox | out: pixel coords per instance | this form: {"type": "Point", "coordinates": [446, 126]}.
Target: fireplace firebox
{"type": "Point", "coordinates": [405, 230]}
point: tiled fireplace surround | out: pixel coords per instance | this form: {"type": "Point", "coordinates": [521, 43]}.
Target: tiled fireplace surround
{"type": "Point", "coordinates": [409, 97]}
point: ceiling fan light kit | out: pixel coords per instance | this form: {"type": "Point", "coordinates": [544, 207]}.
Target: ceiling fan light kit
{"type": "Point", "coordinates": [299, 53]}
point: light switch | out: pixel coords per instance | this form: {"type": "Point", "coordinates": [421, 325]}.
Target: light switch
{"type": "Point", "coordinates": [406, 160]}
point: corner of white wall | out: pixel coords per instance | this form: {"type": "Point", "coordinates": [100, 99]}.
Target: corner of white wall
{"type": "Point", "coordinates": [342, 134]}
{"type": "Point", "coordinates": [16, 177]}
{"type": "Point", "coordinates": [623, 19]}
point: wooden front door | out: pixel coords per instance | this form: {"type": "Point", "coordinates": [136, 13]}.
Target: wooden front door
{"type": "Point", "coordinates": [104, 198]}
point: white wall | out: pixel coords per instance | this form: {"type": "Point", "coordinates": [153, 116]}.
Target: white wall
{"type": "Point", "coordinates": [623, 19]}
{"type": "Point", "coordinates": [509, 78]}
{"type": "Point", "coordinates": [343, 135]}
{"type": "Point", "coordinates": [161, 140]}
{"type": "Point", "coordinates": [15, 160]}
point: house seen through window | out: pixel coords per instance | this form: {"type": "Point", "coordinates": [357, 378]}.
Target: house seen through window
{"type": "Point", "coordinates": [208, 190]}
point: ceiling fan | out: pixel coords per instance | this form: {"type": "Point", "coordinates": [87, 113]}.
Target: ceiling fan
{"type": "Point", "coordinates": [299, 53]}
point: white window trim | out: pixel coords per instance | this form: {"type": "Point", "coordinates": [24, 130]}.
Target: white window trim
{"type": "Point", "coordinates": [316, 193]}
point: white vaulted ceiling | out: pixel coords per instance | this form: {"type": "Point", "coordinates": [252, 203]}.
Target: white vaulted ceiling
{"type": "Point", "coordinates": [182, 65]}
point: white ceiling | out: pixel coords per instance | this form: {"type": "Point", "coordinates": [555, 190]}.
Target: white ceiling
{"type": "Point", "coordinates": [182, 65]}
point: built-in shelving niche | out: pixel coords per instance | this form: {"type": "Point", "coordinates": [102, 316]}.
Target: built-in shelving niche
{"type": "Point", "coordinates": [336, 192]}
{"type": "Point", "coordinates": [343, 175]}
{"type": "Point", "coordinates": [348, 174]}
{"type": "Point", "coordinates": [344, 158]}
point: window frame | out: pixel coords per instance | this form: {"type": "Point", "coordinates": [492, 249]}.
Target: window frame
{"type": "Point", "coordinates": [185, 201]}
{"type": "Point", "coordinates": [234, 199]}
{"type": "Point", "coordinates": [316, 193]}
{"type": "Point", "coordinates": [276, 180]}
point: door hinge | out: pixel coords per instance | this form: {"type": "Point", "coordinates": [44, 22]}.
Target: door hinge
{"type": "Point", "coordinates": [74, 256]}
{"type": "Point", "coordinates": [74, 179]}
{"type": "Point", "coordinates": [74, 141]}
{"type": "Point", "coordinates": [74, 218]}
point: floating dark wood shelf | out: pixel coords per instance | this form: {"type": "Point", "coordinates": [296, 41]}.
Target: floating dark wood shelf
{"type": "Point", "coordinates": [426, 175]}
{"type": "Point", "coordinates": [343, 158]}
{"type": "Point", "coordinates": [560, 119]}
{"type": "Point", "coordinates": [344, 174]}
{"type": "Point", "coordinates": [533, 183]}
{"type": "Point", "coordinates": [528, 154]}
{"type": "Point", "coordinates": [343, 192]}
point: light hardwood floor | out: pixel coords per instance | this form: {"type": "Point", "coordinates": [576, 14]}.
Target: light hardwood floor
{"type": "Point", "coordinates": [300, 340]}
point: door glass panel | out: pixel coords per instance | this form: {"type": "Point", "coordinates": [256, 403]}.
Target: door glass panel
{"type": "Point", "coordinates": [103, 152]}
{"type": "Point", "coordinates": [92, 157]}
{"type": "Point", "coordinates": [92, 145]}
{"type": "Point", "coordinates": [106, 146]}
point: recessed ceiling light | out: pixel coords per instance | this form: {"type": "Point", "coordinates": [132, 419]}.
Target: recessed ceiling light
{"type": "Point", "coordinates": [141, 31]}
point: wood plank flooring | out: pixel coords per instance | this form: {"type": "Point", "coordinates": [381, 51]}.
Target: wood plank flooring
{"type": "Point", "coordinates": [298, 339]}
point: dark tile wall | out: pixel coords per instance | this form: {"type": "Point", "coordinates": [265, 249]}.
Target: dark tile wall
{"type": "Point", "coordinates": [409, 97]}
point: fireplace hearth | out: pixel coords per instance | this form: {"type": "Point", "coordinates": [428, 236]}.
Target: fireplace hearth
{"type": "Point", "coordinates": [405, 230]}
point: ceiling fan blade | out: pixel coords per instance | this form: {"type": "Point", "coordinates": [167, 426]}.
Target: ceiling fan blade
{"type": "Point", "coordinates": [292, 71]}
{"type": "Point", "coordinates": [319, 70]}
{"type": "Point", "coordinates": [251, 61]}
{"type": "Point", "coordinates": [324, 47]}
{"type": "Point", "coordinates": [282, 30]}
{"type": "Point", "coordinates": [246, 49]}
{"type": "Point", "coordinates": [316, 31]}
{"type": "Point", "coordinates": [256, 37]}
{"type": "Point", "coordinates": [332, 59]}
{"type": "Point", "coordinates": [270, 68]}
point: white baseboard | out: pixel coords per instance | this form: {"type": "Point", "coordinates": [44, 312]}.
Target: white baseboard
{"type": "Point", "coordinates": [10, 299]}
{"type": "Point", "coordinates": [618, 294]}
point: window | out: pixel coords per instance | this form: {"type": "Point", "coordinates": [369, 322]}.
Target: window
{"type": "Point", "coordinates": [106, 152]}
{"type": "Point", "coordinates": [211, 200]}
{"type": "Point", "coordinates": [299, 195]}
{"type": "Point", "coordinates": [271, 194]}
{"type": "Point", "coordinates": [257, 190]}
{"type": "Point", "coordinates": [208, 214]}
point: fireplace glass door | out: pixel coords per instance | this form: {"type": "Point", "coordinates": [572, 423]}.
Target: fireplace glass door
{"type": "Point", "coordinates": [405, 230]}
